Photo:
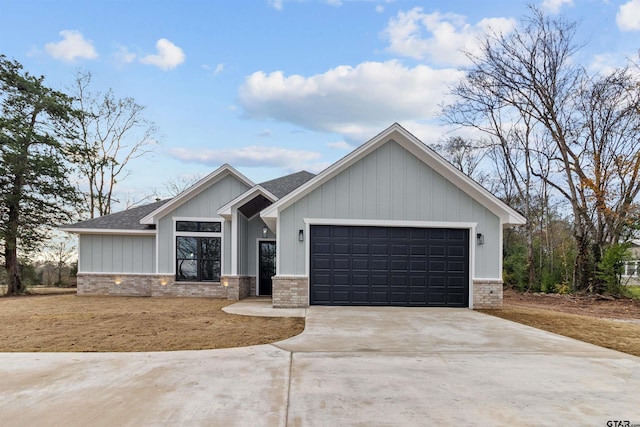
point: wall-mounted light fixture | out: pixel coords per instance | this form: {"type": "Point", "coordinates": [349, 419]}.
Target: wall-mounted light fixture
{"type": "Point", "coordinates": [480, 239]}
{"type": "Point", "coordinates": [117, 281]}
{"type": "Point", "coordinates": [301, 235]}
{"type": "Point", "coordinates": [265, 232]}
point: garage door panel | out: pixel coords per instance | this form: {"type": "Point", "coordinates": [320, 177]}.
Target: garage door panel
{"type": "Point", "coordinates": [359, 248]}
{"type": "Point", "coordinates": [379, 279]}
{"type": "Point", "coordinates": [418, 266]}
{"type": "Point", "coordinates": [377, 232]}
{"type": "Point", "coordinates": [379, 249]}
{"type": "Point", "coordinates": [341, 248]}
{"type": "Point", "coordinates": [418, 250]}
{"type": "Point", "coordinates": [362, 265]}
{"type": "Point", "coordinates": [399, 249]}
{"type": "Point", "coordinates": [379, 264]}
{"type": "Point", "coordinates": [436, 298]}
{"type": "Point", "coordinates": [321, 248]}
{"type": "Point", "coordinates": [399, 265]}
{"type": "Point", "coordinates": [322, 279]}
{"type": "Point", "coordinates": [342, 263]}
{"type": "Point", "coordinates": [456, 251]}
{"type": "Point", "coordinates": [436, 251]}
{"type": "Point", "coordinates": [455, 267]}
{"type": "Point", "coordinates": [396, 280]}
{"type": "Point", "coordinates": [437, 266]}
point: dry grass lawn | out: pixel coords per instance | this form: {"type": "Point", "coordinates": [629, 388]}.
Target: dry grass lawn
{"type": "Point", "coordinates": [613, 324]}
{"type": "Point", "coordinates": [63, 321]}
{"type": "Point", "coordinates": [66, 322]}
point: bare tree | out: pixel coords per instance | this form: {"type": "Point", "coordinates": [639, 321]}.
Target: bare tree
{"type": "Point", "coordinates": [58, 255]}
{"type": "Point", "coordinates": [112, 132]}
{"type": "Point", "coordinates": [575, 133]}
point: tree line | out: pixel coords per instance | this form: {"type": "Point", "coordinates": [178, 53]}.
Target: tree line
{"type": "Point", "coordinates": [61, 155]}
{"type": "Point", "coordinates": [559, 143]}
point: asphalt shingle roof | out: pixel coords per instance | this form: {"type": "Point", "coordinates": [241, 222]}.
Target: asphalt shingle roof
{"type": "Point", "coordinates": [130, 219]}
{"type": "Point", "coordinates": [280, 187]}
{"type": "Point", "coordinates": [125, 220]}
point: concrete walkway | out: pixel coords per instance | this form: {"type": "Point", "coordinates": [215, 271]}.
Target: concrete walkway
{"type": "Point", "coordinates": [351, 366]}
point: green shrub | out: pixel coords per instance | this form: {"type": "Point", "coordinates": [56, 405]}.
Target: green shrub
{"type": "Point", "coordinates": [611, 267]}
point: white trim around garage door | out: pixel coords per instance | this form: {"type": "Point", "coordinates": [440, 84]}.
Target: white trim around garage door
{"type": "Point", "coordinates": [471, 226]}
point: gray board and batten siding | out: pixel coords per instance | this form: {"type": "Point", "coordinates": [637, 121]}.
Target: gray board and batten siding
{"type": "Point", "coordinates": [389, 184]}
{"type": "Point", "coordinates": [108, 253]}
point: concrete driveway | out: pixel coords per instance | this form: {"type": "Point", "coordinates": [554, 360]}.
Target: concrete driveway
{"type": "Point", "coordinates": [351, 366]}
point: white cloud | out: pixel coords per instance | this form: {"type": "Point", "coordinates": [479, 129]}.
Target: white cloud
{"type": "Point", "coordinates": [440, 38]}
{"type": "Point", "coordinates": [341, 145]}
{"type": "Point", "coordinates": [124, 56]}
{"type": "Point", "coordinates": [72, 46]}
{"type": "Point", "coordinates": [253, 156]}
{"type": "Point", "coordinates": [348, 100]}
{"type": "Point", "coordinates": [554, 6]}
{"type": "Point", "coordinates": [276, 4]}
{"type": "Point", "coordinates": [628, 17]}
{"type": "Point", "coordinates": [216, 70]}
{"type": "Point", "coordinates": [168, 56]}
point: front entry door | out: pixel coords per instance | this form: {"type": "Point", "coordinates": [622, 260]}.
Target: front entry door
{"type": "Point", "coordinates": [266, 266]}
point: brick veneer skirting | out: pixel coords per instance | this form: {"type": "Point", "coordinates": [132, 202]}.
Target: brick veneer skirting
{"type": "Point", "coordinates": [487, 294]}
{"type": "Point", "coordinates": [163, 285]}
{"type": "Point", "coordinates": [290, 291]}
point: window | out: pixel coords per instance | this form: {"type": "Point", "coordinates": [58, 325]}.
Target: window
{"type": "Point", "coordinates": [198, 226]}
{"type": "Point", "coordinates": [632, 268]}
{"type": "Point", "coordinates": [198, 251]}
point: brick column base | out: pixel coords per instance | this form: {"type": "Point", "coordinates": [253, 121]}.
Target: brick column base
{"type": "Point", "coordinates": [290, 292]}
{"type": "Point", "coordinates": [487, 293]}
{"type": "Point", "coordinates": [238, 287]}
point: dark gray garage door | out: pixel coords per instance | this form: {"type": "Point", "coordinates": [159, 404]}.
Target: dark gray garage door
{"type": "Point", "coordinates": [400, 266]}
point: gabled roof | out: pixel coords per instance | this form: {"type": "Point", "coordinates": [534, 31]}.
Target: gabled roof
{"type": "Point", "coordinates": [191, 192]}
{"type": "Point", "coordinates": [120, 222]}
{"type": "Point", "coordinates": [282, 186]}
{"type": "Point", "coordinates": [412, 144]}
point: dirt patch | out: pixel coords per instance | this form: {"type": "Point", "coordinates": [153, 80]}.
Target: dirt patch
{"type": "Point", "coordinates": [67, 322]}
{"type": "Point", "coordinates": [613, 324]}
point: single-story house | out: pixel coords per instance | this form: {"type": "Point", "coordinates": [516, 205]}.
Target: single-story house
{"type": "Point", "coordinates": [391, 223]}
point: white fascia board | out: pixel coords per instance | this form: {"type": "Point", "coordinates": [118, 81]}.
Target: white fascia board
{"type": "Point", "coordinates": [226, 210]}
{"type": "Point", "coordinates": [109, 231]}
{"type": "Point", "coordinates": [412, 144]}
{"type": "Point", "coordinates": [194, 190]}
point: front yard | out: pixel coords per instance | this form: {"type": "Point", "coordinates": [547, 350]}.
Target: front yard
{"type": "Point", "coordinates": [66, 322]}
{"type": "Point", "coordinates": [62, 321]}
{"type": "Point", "coordinates": [611, 323]}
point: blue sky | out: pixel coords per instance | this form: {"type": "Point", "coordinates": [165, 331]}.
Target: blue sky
{"type": "Point", "coordinates": [276, 86]}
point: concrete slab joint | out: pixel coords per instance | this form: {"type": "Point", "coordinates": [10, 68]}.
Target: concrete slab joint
{"type": "Point", "coordinates": [487, 293]}
{"type": "Point", "coordinates": [290, 291]}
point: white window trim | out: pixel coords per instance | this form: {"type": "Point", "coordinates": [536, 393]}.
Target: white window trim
{"type": "Point", "coordinates": [636, 264]}
{"type": "Point", "coordinates": [196, 234]}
